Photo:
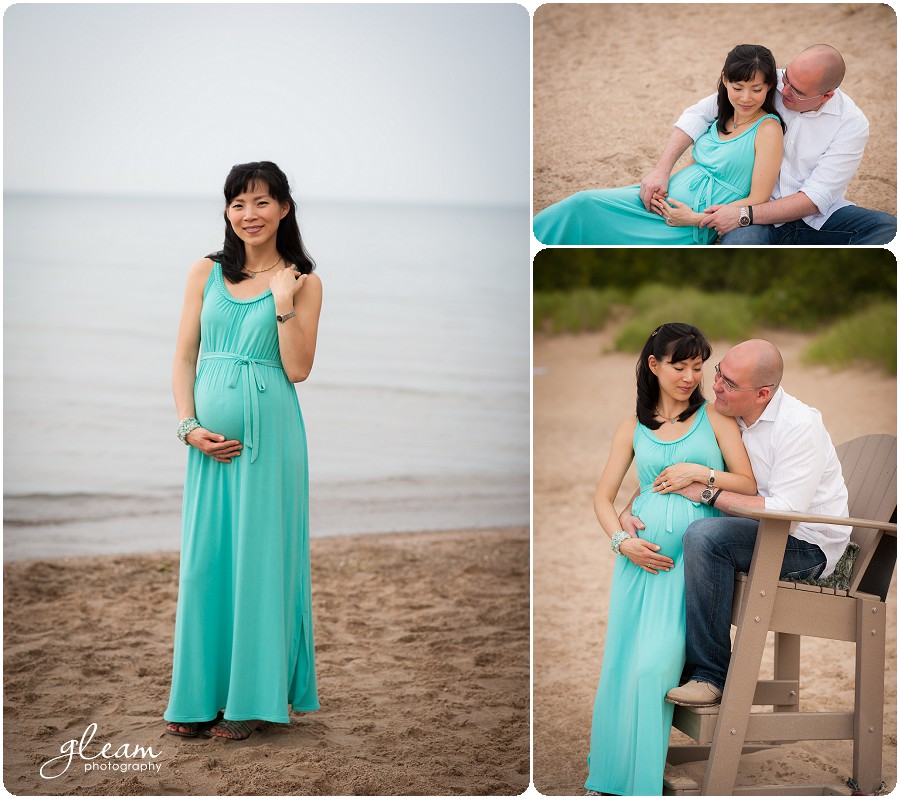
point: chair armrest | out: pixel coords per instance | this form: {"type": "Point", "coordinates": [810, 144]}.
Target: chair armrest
{"type": "Point", "coordinates": [888, 527]}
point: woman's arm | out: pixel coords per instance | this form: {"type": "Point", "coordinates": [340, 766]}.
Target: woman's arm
{"type": "Point", "coordinates": [184, 369]}
{"type": "Point", "coordinates": [768, 148]}
{"type": "Point", "coordinates": [640, 552]}
{"type": "Point", "coordinates": [739, 477]}
{"type": "Point", "coordinates": [621, 454]}
{"type": "Point", "coordinates": [297, 336]}
{"type": "Point", "coordinates": [187, 346]}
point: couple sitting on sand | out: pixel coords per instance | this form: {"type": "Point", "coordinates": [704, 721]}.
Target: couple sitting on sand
{"type": "Point", "coordinates": [773, 154]}
{"type": "Point", "coordinates": [754, 446]}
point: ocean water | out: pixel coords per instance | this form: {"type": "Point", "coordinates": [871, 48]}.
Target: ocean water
{"type": "Point", "coordinates": [417, 410]}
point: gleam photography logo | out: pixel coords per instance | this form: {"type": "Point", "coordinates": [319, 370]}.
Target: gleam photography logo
{"type": "Point", "coordinates": [106, 759]}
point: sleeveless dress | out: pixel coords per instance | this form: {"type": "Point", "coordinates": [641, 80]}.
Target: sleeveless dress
{"type": "Point", "coordinates": [644, 653]}
{"type": "Point", "coordinates": [243, 627]}
{"type": "Point", "coordinates": [722, 172]}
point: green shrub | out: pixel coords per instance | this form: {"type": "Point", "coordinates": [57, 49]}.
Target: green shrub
{"type": "Point", "coordinates": [720, 316]}
{"type": "Point", "coordinates": [574, 311]}
{"type": "Point", "coordinates": [868, 336]}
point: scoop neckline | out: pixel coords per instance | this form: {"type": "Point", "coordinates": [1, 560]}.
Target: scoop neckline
{"type": "Point", "coordinates": [223, 286]}
{"type": "Point", "coordinates": [658, 440]}
{"type": "Point", "coordinates": [719, 139]}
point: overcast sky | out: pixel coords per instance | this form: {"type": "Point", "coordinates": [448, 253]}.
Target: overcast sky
{"type": "Point", "coordinates": [363, 102]}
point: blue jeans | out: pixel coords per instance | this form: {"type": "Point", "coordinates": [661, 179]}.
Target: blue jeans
{"type": "Point", "coordinates": [714, 549]}
{"type": "Point", "coordinates": [849, 225]}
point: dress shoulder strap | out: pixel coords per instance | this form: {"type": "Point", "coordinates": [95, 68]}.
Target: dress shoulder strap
{"type": "Point", "coordinates": [759, 121]}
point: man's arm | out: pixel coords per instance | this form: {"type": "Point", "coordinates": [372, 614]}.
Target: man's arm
{"type": "Point", "coordinates": [835, 168]}
{"type": "Point", "coordinates": [793, 478]}
{"type": "Point", "coordinates": [692, 124]}
{"type": "Point", "coordinates": [656, 182]}
{"type": "Point", "coordinates": [727, 499]}
{"type": "Point", "coordinates": [725, 218]}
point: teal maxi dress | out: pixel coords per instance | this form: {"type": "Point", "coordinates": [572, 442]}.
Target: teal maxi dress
{"type": "Point", "coordinates": [644, 652]}
{"type": "Point", "coordinates": [722, 172]}
{"type": "Point", "coordinates": [243, 627]}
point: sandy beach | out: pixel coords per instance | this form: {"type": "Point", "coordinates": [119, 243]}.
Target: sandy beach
{"type": "Point", "coordinates": [581, 391]}
{"type": "Point", "coordinates": [422, 649]}
{"type": "Point", "coordinates": [611, 79]}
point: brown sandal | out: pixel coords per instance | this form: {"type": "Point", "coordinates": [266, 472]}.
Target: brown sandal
{"type": "Point", "coordinates": [241, 729]}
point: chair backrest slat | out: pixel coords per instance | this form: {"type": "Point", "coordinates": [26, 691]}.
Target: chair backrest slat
{"type": "Point", "coordinates": [869, 466]}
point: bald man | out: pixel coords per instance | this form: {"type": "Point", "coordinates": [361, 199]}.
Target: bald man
{"type": "Point", "coordinates": [796, 469]}
{"type": "Point", "coordinates": [823, 146]}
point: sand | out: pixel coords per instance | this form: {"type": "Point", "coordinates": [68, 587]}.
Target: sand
{"type": "Point", "coordinates": [422, 651]}
{"type": "Point", "coordinates": [578, 401]}
{"type": "Point", "coordinates": [611, 79]}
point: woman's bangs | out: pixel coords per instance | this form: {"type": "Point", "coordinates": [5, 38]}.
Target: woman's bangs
{"type": "Point", "coordinates": [743, 71]}
{"type": "Point", "coordinates": [243, 183]}
{"type": "Point", "coordinates": [686, 349]}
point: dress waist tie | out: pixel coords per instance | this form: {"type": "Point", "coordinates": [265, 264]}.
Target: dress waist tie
{"type": "Point", "coordinates": [247, 368]}
{"type": "Point", "coordinates": [670, 506]}
{"type": "Point", "coordinates": [702, 183]}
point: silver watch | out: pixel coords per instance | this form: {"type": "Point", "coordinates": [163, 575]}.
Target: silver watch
{"type": "Point", "coordinates": [283, 317]}
{"type": "Point", "coordinates": [745, 218]}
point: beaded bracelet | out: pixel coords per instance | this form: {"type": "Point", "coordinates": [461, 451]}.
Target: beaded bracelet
{"type": "Point", "coordinates": [617, 540]}
{"type": "Point", "coordinates": [184, 428]}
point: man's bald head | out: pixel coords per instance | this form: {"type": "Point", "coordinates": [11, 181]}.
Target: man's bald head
{"type": "Point", "coordinates": [763, 362]}
{"type": "Point", "coordinates": [822, 65]}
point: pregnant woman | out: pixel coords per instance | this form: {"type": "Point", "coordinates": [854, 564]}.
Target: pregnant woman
{"type": "Point", "coordinates": [736, 162]}
{"type": "Point", "coordinates": [243, 628]}
{"type": "Point", "coordinates": [674, 438]}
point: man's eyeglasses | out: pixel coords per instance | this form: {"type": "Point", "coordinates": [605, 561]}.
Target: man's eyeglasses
{"type": "Point", "coordinates": [729, 386]}
{"type": "Point", "coordinates": [798, 95]}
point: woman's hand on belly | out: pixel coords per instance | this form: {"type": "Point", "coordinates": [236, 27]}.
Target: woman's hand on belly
{"type": "Point", "coordinates": [677, 214]}
{"type": "Point", "coordinates": [646, 555]}
{"type": "Point", "coordinates": [214, 445]}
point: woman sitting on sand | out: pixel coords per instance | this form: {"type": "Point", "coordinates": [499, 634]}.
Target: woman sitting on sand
{"type": "Point", "coordinates": [675, 438]}
{"type": "Point", "coordinates": [243, 628]}
{"type": "Point", "coordinates": [736, 162]}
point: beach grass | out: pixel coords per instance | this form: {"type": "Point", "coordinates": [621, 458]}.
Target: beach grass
{"type": "Point", "coordinates": [723, 315]}
{"type": "Point", "coordinates": [575, 311]}
{"type": "Point", "coordinates": [868, 336]}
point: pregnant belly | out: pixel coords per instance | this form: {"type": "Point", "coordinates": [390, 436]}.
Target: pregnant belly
{"type": "Point", "coordinates": [220, 409]}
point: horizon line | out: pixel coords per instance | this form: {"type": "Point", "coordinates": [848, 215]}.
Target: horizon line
{"type": "Point", "coordinates": [112, 195]}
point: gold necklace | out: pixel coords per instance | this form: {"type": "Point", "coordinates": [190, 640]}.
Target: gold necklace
{"type": "Point", "coordinates": [735, 124]}
{"type": "Point", "coordinates": [260, 271]}
{"type": "Point", "coordinates": [669, 419]}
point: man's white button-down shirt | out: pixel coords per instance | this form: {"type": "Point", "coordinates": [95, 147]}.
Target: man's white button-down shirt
{"type": "Point", "coordinates": [797, 469]}
{"type": "Point", "coordinates": [822, 148]}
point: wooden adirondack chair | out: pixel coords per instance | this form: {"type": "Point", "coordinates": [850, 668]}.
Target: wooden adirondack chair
{"type": "Point", "coordinates": [762, 602]}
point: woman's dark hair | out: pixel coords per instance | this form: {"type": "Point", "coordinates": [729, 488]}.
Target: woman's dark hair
{"type": "Point", "coordinates": [741, 65]}
{"type": "Point", "coordinates": [288, 241]}
{"type": "Point", "coordinates": [673, 341]}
